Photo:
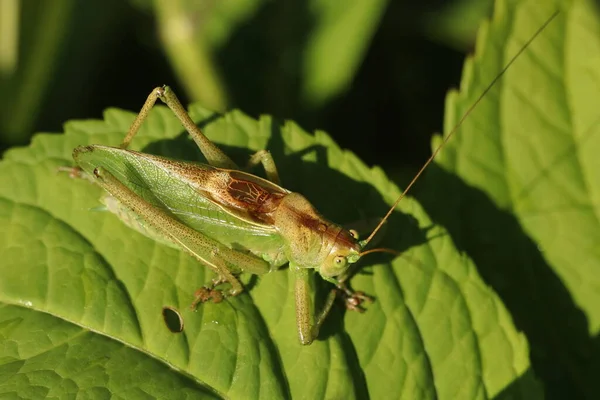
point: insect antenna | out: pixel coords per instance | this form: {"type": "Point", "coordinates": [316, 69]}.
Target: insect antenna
{"type": "Point", "coordinates": [457, 126]}
{"type": "Point", "coordinates": [380, 250]}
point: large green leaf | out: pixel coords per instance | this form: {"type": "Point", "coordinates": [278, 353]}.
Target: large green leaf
{"type": "Point", "coordinates": [520, 183]}
{"type": "Point", "coordinates": [82, 294]}
{"type": "Point", "coordinates": [67, 268]}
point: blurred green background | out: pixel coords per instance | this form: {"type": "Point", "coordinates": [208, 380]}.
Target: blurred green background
{"type": "Point", "coordinates": [373, 74]}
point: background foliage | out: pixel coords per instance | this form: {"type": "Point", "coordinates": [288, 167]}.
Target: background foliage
{"type": "Point", "coordinates": [497, 294]}
{"type": "Point", "coordinates": [69, 59]}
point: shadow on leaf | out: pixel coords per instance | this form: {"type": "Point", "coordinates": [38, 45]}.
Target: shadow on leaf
{"type": "Point", "coordinates": [510, 262]}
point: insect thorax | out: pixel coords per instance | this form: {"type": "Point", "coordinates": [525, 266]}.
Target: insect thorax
{"type": "Point", "coordinates": [310, 238]}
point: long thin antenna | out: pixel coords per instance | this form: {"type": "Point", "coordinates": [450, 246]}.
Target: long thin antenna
{"type": "Point", "coordinates": [459, 124]}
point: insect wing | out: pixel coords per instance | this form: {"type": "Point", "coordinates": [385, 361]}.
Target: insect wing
{"type": "Point", "coordinates": [159, 181]}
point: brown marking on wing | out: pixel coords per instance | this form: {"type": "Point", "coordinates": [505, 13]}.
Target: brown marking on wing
{"type": "Point", "coordinates": [247, 196]}
{"type": "Point", "coordinates": [254, 198]}
{"type": "Point", "coordinates": [247, 193]}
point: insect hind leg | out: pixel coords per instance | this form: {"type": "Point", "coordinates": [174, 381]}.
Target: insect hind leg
{"type": "Point", "coordinates": [213, 154]}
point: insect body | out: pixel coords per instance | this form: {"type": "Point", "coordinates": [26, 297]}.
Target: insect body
{"type": "Point", "coordinates": [227, 219]}
{"type": "Point", "coordinates": [230, 220]}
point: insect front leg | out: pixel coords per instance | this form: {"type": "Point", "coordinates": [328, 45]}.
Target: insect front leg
{"type": "Point", "coordinates": [307, 324]}
{"type": "Point", "coordinates": [213, 154]}
{"type": "Point", "coordinates": [352, 299]}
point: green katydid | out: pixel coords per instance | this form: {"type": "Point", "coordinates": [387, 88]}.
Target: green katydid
{"type": "Point", "coordinates": [231, 220]}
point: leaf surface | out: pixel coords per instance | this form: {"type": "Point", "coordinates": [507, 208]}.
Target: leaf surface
{"type": "Point", "coordinates": [521, 182]}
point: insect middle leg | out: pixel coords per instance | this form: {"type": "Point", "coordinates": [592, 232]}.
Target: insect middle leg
{"type": "Point", "coordinates": [265, 158]}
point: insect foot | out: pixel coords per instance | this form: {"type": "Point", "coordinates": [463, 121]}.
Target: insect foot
{"type": "Point", "coordinates": [210, 292]}
{"type": "Point", "coordinates": [353, 299]}
{"type": "Point", "coordinates": [205, 294]}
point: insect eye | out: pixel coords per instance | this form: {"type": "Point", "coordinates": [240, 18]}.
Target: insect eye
{"type": "Point", "coordinates": [353, 233]}
{"type": "Point", "coordinates": [339, 260]}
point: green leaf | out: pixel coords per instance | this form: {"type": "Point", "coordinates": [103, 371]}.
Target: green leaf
{"type": "Point", "coordinates": [336, 46]}
{"type": "Point", "coordinates": [520, 183]}
{"type": "Point", "coordinates": [88, 273]}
